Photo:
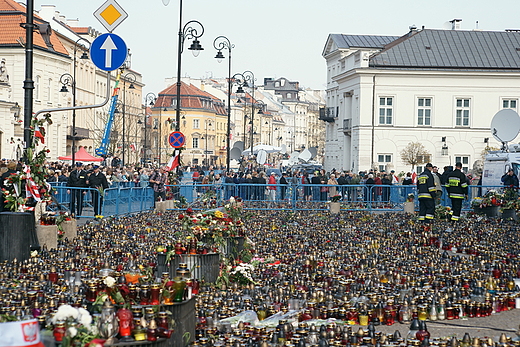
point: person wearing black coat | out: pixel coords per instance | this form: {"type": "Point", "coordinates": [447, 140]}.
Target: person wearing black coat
{"type": "Point", "coordinates": [510, 179]}
{"type": "Point", "coordinates": [283, 185]}
{"type": "Point", "coordinates": [316, 181]}
{"type": "Point", "coordinates": [98, 181]}
{"type": "Point", "coordinates": [77, 179]}
{"type": "Point", "coordinates": [386, 181]}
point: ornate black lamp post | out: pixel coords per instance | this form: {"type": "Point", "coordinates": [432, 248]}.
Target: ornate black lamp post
{"type": "Point", "coordinates": [221, 43]}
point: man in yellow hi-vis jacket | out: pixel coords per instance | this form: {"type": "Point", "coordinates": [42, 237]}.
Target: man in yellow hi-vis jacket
{"type": "Point", "coordinates": [457, 186]}
{"type": "Point", "coordinates": [426, 192]}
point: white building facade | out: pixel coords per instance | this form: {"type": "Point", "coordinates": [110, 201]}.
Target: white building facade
{"type": "Point", "coordinates": [440, 88]}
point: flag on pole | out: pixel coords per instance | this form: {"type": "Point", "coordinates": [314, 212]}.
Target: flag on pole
{"type": "Point", "coordinates": [173, 162]}
{"type": "Point", "coordinates": [31, 189]}
{"type": "Point", "coordinates": [40, 133]}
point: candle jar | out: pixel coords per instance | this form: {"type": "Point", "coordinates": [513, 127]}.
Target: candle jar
{"type": "Point", "coordinates": [178, 289]}
{"type": "Point", "coordinates": [151, 333]}
{"type": "Point", "coordinates": [145, 294]}
{"type": "Point", "coordinates": [138, 332]}
{"type": "Point", "coordinates": [91, 294]}
{"type": "Point", "coordinates": [155, 292]}
{"type": "Point", "coordinates": [423, 313]}
{"type": "Point", "coordinates": [450, 313]}
{"type": "Point", "coordinates": [53, 275]}
{"type": "Point", "coordinates": [162, 320]}
{"type": "Point", "coordinates": [125, 325]}
{"type": "Point", "coordinates": [59, 331]}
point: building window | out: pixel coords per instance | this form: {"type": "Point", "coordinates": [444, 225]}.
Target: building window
{"type": "Point", "coordinates": [509, 103]}
{"type": "Point", "coordinates": [195, 142]}
{"type": "Point", "coordinates": [49, 90]}
{"type": "Point", "coordinates": [465, 162]}
{"type": "Point", "coordinates": [385, 110]}
{"type": "Point", "coordinates": [424, 111]}
{"type": "Point", "coordinates": [383, 160]}
{"type": "Point", "coordinates": [37, 88]}
{"type": "Point", "coordinates": [462, 112]}
{"type": "Point", "coordinates": [196, 124]}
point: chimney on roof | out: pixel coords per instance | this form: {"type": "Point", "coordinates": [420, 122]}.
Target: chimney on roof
{"type": "Point", "coordinates": [412, 27]}
{"type": "Point", "coordinates": [455, 24]}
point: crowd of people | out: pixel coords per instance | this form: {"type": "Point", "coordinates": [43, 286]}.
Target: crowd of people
{"type": "Point", "coordinates": [257, 183]}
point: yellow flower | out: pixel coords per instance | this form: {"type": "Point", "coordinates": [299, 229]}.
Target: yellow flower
{"type": "Point", "coordinates": [219, 214]}
{"type": "Point", "coordinates": [98, 216]}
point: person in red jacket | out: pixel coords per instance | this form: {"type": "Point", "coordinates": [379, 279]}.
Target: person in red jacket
{"type": "Point", "coordinates": [272, 187]}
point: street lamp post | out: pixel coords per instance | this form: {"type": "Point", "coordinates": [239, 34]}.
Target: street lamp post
{"type": "Point", "coordinates": [149, 100]}
{"type": "Point", "coordinates": [132, 78]}
{"type": "Point", "coordinates": [207, 123]}
{"type": "Point", "coordinates": [249, 78]}
{"type": "Point", "coordinates": [221, 43]}
{"type": "Point", "coordinates": [67, 80]}
{"type": "Point", "coordinates": [185, 32]}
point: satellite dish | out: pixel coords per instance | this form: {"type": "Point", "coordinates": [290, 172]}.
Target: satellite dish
{"type": "Point", "coordinates": [283, 149]}
{"type": "Point", "coordinates": [293, 158]}
{"type": "Point", "coordinates": [445, 26]}
{"type": "Point", "coordinates": [235, 153]}
{"type": "Point", "coordinates": [505, 125]}
{"type": "Point", "coordinates": [306, 155]}
{"type": "Point", "coordinates": [314, 152]}
{"type": "Point", "coordinates": [261, 157]}
{"type": "Point", "coordinates": [239, 145]}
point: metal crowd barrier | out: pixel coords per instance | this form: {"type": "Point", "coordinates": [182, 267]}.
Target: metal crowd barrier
{"type": "Point", "coordinates": [126, 198]}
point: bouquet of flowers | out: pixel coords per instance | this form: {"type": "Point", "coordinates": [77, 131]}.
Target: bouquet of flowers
{"type": "Point", "coordinates": [30, 182]}
{"type": "Point", "coordinates": [242, 274]}
{"type": "Point", "coordinates": [491, 198]}
{"type": "Point", "coordinates": [335, 198]}
{"type": "Point", "coordinates": [79, 329]}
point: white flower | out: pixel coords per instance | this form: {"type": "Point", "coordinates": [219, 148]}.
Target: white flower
{"type": "Point", "coordinates": [93, 329]}
{"type": "Point", "coordinates": [72, 331]}
{"type": "Point", "coordinates": [64, 312]}
{"type": "Point", "coordinates": [109, 281]}
{"type": "Point", "coordinates": [34, 254]}
{"type": "Point", "coordinates": [232, 199]}
{"type": "Point", "coordinates": [84, 317]}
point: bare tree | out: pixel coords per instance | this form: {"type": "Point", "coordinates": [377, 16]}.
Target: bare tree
{"type": "Point", "coordinates": [415, 153]}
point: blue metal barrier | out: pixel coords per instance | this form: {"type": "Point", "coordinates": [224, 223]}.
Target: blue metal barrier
{"type": "Point", "coordinates": [126, 198]}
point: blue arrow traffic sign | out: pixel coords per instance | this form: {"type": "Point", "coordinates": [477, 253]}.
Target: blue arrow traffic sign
{"type": "Point", "coordinates": [108, 52]}
{"type": "Point", "coordinates": [176, 139]}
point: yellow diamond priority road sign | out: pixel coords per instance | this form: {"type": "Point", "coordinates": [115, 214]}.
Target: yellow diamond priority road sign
{"type": "Point", "coordinates": [110, 14]}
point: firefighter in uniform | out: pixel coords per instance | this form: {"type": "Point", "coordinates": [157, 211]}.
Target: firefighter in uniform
{"type": "Point", "coordinates": [426, 192]}
{"type": "Point", "coordinates": [457, 186]}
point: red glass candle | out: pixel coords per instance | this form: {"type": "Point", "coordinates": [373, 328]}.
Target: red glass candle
{"type": "Point", "coordinates": [155, 292]}
{"type": "Point", "coordinates": [59, 332]}
{"type": "Point", "coordinates": [125, 322]}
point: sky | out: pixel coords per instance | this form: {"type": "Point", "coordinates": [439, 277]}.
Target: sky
{"type": "Point", "coordinates": [272, 38]}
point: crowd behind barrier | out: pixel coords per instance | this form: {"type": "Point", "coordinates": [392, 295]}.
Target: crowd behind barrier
{"type": "Point", "coordinates": [124, 197]}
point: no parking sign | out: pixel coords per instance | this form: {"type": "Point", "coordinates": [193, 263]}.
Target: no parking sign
{"type": "Point", "coordinates": [177, 139]}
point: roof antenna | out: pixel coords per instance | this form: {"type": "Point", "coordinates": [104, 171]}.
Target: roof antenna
{"type": "Point", "coordinates": [476, 24]}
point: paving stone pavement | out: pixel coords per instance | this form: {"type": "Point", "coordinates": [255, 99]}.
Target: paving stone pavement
{"type": "Point", "coordinates": [492, 326]}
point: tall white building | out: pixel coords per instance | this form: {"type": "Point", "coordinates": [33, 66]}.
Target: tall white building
{"type": "Point", "coordinates": [437, 87]}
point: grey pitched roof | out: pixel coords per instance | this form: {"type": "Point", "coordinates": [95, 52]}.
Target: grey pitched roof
{"type": "Point", "coordinates": [452, 49]}
{"type": "Point", "coordinates": [361, 41]}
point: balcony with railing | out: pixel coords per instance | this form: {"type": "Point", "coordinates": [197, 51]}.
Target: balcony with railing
{"type": "Point", "coordinates": [328, 114]}
{"type": "Point", "coordinates": [81, 133]}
